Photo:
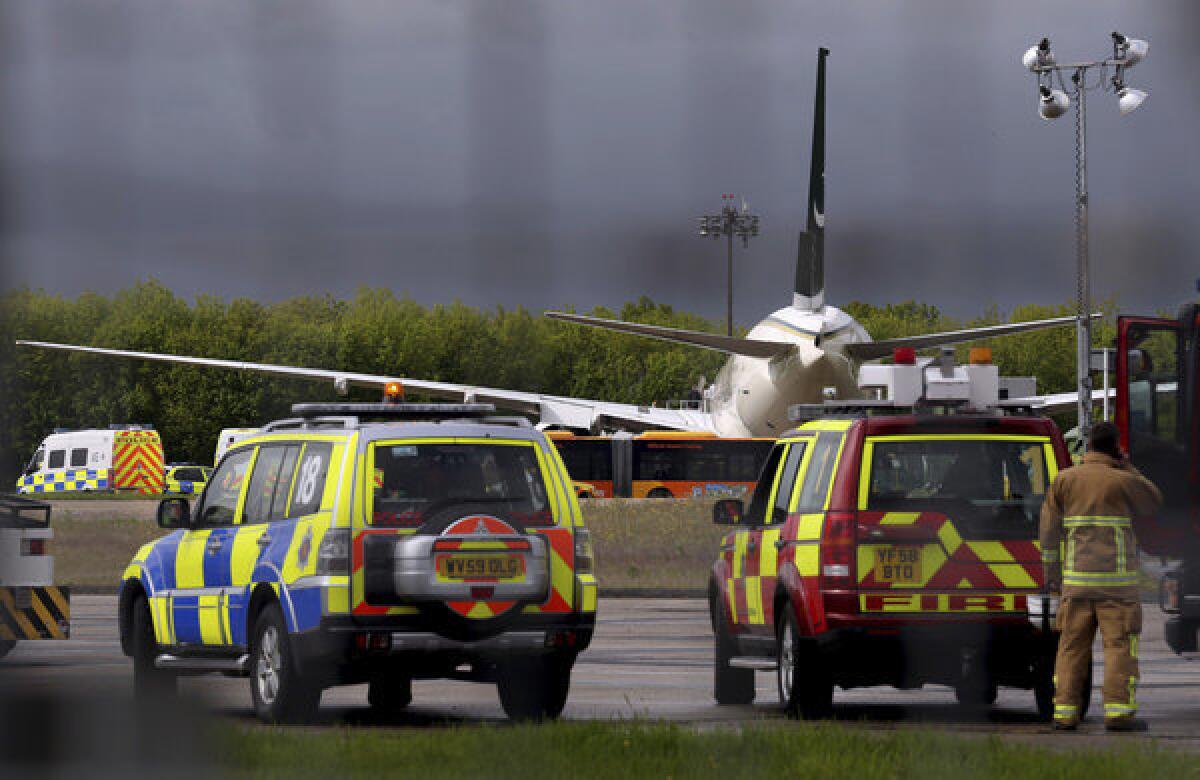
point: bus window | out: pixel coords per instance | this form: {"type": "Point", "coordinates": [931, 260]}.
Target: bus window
{"type": "Point", "coordinates": [659, 461]}
{"type": "Point", "coordinates": [587, 460]}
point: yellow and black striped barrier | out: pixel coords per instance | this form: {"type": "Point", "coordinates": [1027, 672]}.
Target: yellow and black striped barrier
{"type": "Point", "coordinates": [35, 613]}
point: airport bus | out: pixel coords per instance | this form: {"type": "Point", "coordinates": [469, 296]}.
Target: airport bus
{"type": "Point", "coordinates": [661, 464]}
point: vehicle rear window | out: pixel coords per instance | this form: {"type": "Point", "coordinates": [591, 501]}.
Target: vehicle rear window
{"type": "Point", "coordinates": [990, 488]}
{"type": "Point", "coordinates": [414, 482]}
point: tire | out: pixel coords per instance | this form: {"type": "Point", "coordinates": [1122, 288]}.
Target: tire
{"type": "Point", "coordinates": [976, 695]}
{"type": "Point", "coordinates": [730, 686]}
{"type": "Point", "coordinates": [389, 693]}
{"type": "Point", "coordinates": [280, 695]}
{"type": "Point", "coordinates": [6, 646]}
{"type": "Point", "coordinates": [150, 684]}
{"type": "Point", "coordinates": [535, 689]}
{"type": "Point", "coordinates": [659, 493]}
{"type": "Point", "coordinates": [805, 683]}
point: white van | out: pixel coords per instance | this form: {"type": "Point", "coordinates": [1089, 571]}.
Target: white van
{"type": "Point", "coordinates": [229, 437]}
{"type": "Point", "coordinates": [121, 457]}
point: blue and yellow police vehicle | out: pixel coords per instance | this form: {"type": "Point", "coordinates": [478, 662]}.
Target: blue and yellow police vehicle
{"type": "Point", "coordinates": [376, 543]}
{"type": "Point", "coordinates": [186, 479]}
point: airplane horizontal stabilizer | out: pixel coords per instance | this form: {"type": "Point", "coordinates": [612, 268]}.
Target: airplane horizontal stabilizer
{"type": "Point", "coordinates": [730, 344]}
{"type": "Point", "coordinates": [874, 350]}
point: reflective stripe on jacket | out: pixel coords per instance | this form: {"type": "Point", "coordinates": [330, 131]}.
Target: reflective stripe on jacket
{"type": "Point", "coordinates": [1089, 511]}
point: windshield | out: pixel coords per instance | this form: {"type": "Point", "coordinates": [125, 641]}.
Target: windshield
{"type": "Point", "coordinates": [413, 482]}
{"type": "Point", "coordinates": [989, 487]}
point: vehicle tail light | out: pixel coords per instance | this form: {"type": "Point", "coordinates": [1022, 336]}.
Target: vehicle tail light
{"type": "Point", "coordinates": [584, 557]}
{"type": "Point", "coordinates": [837, 550]}
{"type": "Point", "coordinates": [33, 547]}
{"type": "Point", "coordinates": [333, 556]}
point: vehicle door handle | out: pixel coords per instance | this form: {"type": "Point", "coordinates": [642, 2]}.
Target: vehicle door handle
{"type": "Point", "coordinates": [263, 540]}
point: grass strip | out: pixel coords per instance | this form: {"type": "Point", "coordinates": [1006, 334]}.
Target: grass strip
{"type": "Point", "coordinates": [632, 749]}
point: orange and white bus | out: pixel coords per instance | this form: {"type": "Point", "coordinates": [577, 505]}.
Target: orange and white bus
{"type": "Point", "coordinates": [661, 464]}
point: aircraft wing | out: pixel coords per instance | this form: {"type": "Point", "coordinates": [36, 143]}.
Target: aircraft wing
{"type": "Point", "coordinates": [874, 350]}
{"type": "Point", "coordinates": [552, 410]}
{"type": "Point", "coordinates": [1063, 402]}
{"type": "Point", "coordinates": [729, 344]}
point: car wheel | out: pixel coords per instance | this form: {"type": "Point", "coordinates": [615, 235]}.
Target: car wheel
{"type": "Point", "coordinates": [149, 682]}
{"type": "Point", "coordinates": [535, 689]}
{"type": "Point", "coordinates": [659, 493]}
{"type": "Point", "coordinates": [6, 646]}
{"type": "Point", "coordinates": [389, 692]}
{"type": "Point", "coordinates": [280, 695]}
{"type": "Point", "coordinates": [730, 685]}
{"type": "Point", "coordinates": [805, 683]}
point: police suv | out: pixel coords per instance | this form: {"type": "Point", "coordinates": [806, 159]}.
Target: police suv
{"type": "Point", "coordinates": [893, 542]}
{"type": "Point", "coordinates": [376, 543]}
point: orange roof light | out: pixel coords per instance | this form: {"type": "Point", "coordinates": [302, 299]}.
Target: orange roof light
{"type": "Point", "coordinates": [981, 356]}
{"type": "Point", "coordinates": [393, 392]}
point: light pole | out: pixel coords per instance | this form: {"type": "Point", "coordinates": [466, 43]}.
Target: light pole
{"type": "Point", "coordinates": [730, 223]}
{"type": "Point", "coordinates": [1052, 103]}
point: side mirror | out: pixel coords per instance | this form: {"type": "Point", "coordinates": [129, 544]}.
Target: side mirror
{"type": "Point", "coordinates": [728, 511]}
{"type": "Point", "coordinates": [174, 513]}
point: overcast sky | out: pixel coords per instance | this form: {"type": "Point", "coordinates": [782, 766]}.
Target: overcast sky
{"type": "Point", "coordinates": [508, 152]}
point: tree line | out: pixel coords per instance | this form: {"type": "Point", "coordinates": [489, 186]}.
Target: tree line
{"type": "Point", "coordinates": [375, 332]}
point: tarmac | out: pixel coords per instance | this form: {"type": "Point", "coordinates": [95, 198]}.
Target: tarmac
{"type": "Point", "coordinates": [651, 659]}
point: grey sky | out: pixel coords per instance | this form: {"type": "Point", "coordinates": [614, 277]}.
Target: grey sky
{"type": "Point", "coordinates": [550, 153]}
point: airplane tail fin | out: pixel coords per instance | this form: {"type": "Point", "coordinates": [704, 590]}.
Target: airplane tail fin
{"type": "Point", "coordinates": [728, 344]}
{"type": "Point", "coordinates": [810, 252]}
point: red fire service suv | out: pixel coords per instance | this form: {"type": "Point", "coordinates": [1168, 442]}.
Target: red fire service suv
{"type": "Point", "coordinates": [893, 542]}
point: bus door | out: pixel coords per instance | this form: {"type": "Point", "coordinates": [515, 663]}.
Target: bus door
{"type": "Point", "coordinates": [1155, 412]}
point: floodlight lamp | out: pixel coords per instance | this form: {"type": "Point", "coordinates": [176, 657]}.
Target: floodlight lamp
{"type": "Point", "coordinates": [1038, 56]}
{"type": "Point", "coordinates": [1129, 99]}
{"type": "Point", "coordinates": [1053, 103]}
{"type": "Point", "coordinates": [1131, 50]}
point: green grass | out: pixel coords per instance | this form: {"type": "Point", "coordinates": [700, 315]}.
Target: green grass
{"type": "Point", "coordinates": [653, 543]}
{"type": "Point", "coordinates": [610, 750]}
{"type": "Point", "coordinates": [94, 550]}
{"type": "Point", "coordinates": [100, 495]}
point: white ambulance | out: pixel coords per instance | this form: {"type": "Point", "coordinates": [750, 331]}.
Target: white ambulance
{"type": "Point", "coordinates": [121, 457]}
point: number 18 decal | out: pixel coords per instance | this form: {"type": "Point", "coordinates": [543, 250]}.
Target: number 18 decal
{"type": "Point", "coordinates": [309, 471]}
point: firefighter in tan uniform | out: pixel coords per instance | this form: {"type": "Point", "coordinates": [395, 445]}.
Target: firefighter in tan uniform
{"type": "Point", "coordinates": [1089, 513]}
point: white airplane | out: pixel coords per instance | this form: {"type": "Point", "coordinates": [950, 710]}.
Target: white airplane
{"type": "Point", "coordinates": [794, 356]}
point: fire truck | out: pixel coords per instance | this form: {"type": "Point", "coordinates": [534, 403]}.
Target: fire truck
{"type": "Point", "coordinates": [1156, 404]}
{"type": "Point", "coordinates": [31, 606]}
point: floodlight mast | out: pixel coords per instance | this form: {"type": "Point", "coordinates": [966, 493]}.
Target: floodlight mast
{"type": "Point", "coordinates": [1053, 103]}
{"type": "Point", "coordinates": [730, 223]}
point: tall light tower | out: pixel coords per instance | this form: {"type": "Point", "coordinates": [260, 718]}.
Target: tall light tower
{"type": "Point", "coordinates": [1054, 98]}
{"type": "Point", "coordinates": [730, 223]}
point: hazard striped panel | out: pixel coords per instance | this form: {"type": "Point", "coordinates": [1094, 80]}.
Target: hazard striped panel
{"type": "Point", "coordinates": [944, 562]}
{"type": "Point", "coordinates": [138, 462]}
{"type": "Point", "coordinates": [35, 613]}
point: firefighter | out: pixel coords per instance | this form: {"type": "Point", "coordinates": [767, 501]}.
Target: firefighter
{"type": "Point", "coordinates": [1089, 513]}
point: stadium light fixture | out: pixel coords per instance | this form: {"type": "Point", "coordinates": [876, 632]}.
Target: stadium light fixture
{"type": "Point", "coordinates": [1055, 97]}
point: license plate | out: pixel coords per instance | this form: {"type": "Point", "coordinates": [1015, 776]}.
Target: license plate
{"type": "Point", "coordinates": [480, 567]}
{"type": "Point", "coordinates": [898, 564]}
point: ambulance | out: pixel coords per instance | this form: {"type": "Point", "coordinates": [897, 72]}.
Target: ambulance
{"type": "Point", "coordinates": [120, 457]}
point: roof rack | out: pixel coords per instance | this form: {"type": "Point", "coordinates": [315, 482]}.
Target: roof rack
{"type": "Point", "coordinates": [15, 512]}
{"type": "Point", "coordinates": [854, 409]}
{"type": "Point", "coordinates": [350, 415]}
